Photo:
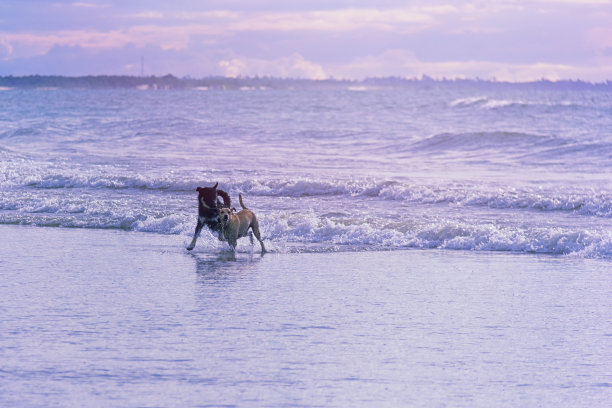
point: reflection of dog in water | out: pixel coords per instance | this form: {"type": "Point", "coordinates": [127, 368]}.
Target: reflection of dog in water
{"type": "Point", "coordinates": [208, 206]}
{"type": "Point", "coordinates": [234, 226]}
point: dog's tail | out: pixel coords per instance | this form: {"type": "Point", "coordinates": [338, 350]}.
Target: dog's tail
{"type": "Point", "coordinates": [241, 203]}
{"type": "Point", "coordinates": [227, 202]}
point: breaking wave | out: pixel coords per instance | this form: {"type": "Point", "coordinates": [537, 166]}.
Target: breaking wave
{"type": "Point", "coordinates": [440, 234]}
{"type": "Point", "coordinates": [485, 102]}
{"type": "Point", "coordinates": [432, 221]}
{"type": "Point", "coordinates": [580, 201]}
{"type": "Point", "coordinates": [166, 205]}
{"type": "Point", "coordinates": [56, 181]}
{"type": "Point", "coordinates": [305, 232]}
{"type": "Point", "coordinates": [587, 203]}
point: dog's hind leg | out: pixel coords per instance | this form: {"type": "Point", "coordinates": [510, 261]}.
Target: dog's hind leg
{"type": "Point", "coordinates": [196, 234]}
{"type": "Point", "coordinates": [255, 228]}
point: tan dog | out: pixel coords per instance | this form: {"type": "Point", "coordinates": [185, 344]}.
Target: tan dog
{"type": "Point", "coordinates": [234, 226]}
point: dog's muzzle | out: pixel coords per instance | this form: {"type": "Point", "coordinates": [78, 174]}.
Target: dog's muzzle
{"type": "Point", "coordinates": [206, 205]}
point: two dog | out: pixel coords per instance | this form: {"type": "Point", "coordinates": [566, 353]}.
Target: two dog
{"type": "Point", "coordinates": [220, 218]}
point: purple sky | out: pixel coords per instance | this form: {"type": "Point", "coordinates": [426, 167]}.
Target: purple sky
{"type": "Point", "coordinates": [515, 40]}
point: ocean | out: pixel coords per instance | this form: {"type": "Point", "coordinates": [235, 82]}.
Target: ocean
{"type": "Point", "coordinates": [357, 169]}
{"type": "Point", "coordinates": [431, 245]}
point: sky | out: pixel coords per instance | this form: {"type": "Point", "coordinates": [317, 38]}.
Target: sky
{"type": "Point", "coordinates": [506, 40]}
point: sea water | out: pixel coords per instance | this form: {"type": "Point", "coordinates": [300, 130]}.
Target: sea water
{"type": "Point", "coordinates": [480, 167]}
{"type": "Point", "coordinates": [430, 246]}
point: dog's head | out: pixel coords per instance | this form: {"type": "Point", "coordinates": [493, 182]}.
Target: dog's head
{"type": "Point", "coordinates": [224, 215]}
{"type": "Point", "coordinates": [207, 196]}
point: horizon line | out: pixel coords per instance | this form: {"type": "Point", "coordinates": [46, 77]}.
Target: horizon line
{"type": "Point", "coordinates": [422, 78]}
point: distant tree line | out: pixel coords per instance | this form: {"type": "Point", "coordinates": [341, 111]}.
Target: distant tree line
{"type": "Point", "coordinates": [217, 82]}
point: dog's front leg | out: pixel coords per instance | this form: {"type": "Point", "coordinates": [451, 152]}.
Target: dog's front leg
{"type": "Point", "coordinates": [233, 243]}
{"type": "Point", "coordinates": [198, 229]}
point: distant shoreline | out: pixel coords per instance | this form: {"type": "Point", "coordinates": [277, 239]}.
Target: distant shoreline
{"type": "Point", "coordinates": [170, 82]}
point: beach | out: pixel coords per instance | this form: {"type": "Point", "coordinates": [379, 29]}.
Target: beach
{"type": "Point", "coordinates": [99, 317]}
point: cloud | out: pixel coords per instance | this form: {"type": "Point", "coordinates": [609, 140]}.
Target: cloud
{"type": "Point", "coordinates": [600, 38]}
{"type": "Point", "coordinates": [154, 15]}
{"type": "Point", "coordinates": [169, 33]}
{"type": "Point", "coordinates": [90, 5]}
{"type": "Point", "coordinates": [396, 62]}
{"type": "Point", "coordinates": [294, 66]}
{"type": "Point", "coordinates": [403, 63]}
{"type": "Point", "coordinates": [342, 19]}
{"type": "Point", "coordinates": [578, 2]}
{"type": "Point", "coordinates": [34, 44]}
{"type": "Point", "coordinates": [6, 49]}
{"type": "Point", "coordinates": [332, 20]}
{"type": "Point", "coordinates": [177, 29]}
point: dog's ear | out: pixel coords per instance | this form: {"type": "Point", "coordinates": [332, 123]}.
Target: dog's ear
{"type": "Point", "coordinates": [215, 186]}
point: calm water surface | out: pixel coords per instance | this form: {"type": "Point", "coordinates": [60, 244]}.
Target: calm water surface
{"type": "Point", "coordinates": [122, 319]}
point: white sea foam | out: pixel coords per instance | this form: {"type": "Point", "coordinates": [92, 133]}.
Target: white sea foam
{"type": "Point", "coordinates": [485, 102]}
{"type": "Point", "coordinates": [310, 228]}
{"type": "Point", "coordinates": [575, 199]}
{"type": "Point", "coordinates": [588, 202]}
{"type": "Point", "coordinates": [440, 234]}
{"type": "Point", "coordinates": [470, 101]}
{"type": "Point", "coordinates": [495, 104]}
{"type": "Point", "coordinates": [170, 224]}
{"type": "Point", "coordinates": [52, 181]}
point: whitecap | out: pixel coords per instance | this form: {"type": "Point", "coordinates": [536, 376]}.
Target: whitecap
{"type": "Point", "coordinates": [470, 101]}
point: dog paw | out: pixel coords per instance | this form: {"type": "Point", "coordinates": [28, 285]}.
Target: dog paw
{"type": "Point", "coordinates": [189, 248]}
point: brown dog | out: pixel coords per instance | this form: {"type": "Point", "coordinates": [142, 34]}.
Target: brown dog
{"type": "Point", "coordinates": [234, 226]}
{"type": "Point", "coordinates": [208, 204]}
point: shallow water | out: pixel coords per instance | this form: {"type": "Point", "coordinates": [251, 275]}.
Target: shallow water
{"type": "Point", "coordinates": [114, 318]}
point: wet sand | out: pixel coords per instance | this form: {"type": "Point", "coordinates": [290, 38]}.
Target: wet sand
{"type": "Point", "coordinates": [112, 318]}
